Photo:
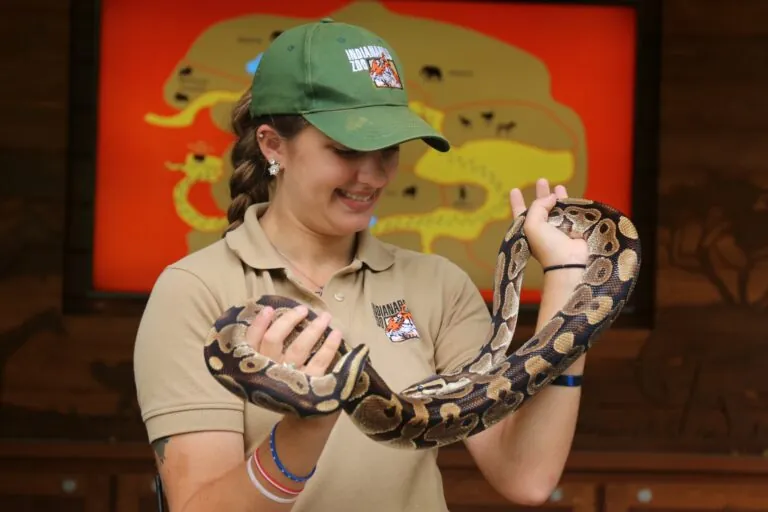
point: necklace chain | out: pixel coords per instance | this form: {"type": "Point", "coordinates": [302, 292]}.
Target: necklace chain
{"type": "Point", "coordinates": [319, 288]}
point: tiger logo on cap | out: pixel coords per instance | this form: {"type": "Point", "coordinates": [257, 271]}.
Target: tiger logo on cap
{"type": "Point", "coordinates": [384, 73]}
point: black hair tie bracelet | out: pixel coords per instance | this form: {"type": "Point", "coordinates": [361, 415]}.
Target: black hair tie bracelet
{"type": "Point", "coordinates": [567, 265]}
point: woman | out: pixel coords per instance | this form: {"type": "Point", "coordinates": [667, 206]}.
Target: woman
{"type": "Point", "coordinates": [317, 143]}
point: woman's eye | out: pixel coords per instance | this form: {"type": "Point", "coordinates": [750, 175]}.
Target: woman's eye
{"type": "Point", "coordinates": [346, 152]}
{"type": "Point", "coordinates": [351, 153]}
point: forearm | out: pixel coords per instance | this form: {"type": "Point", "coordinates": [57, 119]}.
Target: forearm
{"type": "Point", "coordinates": [537, 440]}
{"type": "Point", "coordinates": [557, 287]}
{"type": "Point", "coordinates": [298, 444]}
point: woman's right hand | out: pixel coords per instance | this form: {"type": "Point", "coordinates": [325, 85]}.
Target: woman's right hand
{"type": "Point", "coordinates": [266, 335]}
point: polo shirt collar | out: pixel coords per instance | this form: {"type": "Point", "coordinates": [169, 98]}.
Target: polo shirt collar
{"type": "Point", "coordinates": [249, 242]}
{"type": "Point", "coordinates": [373, 253]}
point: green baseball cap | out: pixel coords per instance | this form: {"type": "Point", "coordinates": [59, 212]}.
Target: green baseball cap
{"type": "Point", "coordinates": [345, 81]}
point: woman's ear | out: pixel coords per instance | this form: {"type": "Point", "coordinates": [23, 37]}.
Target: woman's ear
{"type": "Point", "coordinates": [271, 144]}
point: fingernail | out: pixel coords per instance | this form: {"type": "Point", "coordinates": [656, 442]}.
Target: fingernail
{"type": "Point", "coordinates": [302, 310]}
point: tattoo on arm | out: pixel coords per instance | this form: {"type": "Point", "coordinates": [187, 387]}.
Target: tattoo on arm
{"type": "Point", "coordinates": [159, 446]}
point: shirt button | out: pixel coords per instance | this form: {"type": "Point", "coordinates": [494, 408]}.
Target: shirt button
{"type": "Point", "coordinates": [338, 296]}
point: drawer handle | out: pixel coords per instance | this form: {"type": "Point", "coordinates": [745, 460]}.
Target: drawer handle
{"type": "Point", "coordinates": [644, 495]}
{"type": "Point", "coordinates": [68, 485]}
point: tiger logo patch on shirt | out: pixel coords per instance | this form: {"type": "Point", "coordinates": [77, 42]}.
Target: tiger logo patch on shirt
{"type": "Point", "coordinates": [396, 321]}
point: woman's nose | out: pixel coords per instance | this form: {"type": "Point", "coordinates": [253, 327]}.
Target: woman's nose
{"type": "Point", "coordinates": [373, 169]}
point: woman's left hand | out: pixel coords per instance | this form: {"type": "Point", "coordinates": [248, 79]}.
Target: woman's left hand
{"type": "Point", "coordinates": [549, 245]}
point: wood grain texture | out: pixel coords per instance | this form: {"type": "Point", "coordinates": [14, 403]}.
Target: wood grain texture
{"type": "Point", "coordinates": [660, 496]}
{"type": "Point", "coordinates": [593, 481]}
{"type": "Point", "coordinates": [64, 491]}
{"type": "Point", "coordinates": [694, 384]}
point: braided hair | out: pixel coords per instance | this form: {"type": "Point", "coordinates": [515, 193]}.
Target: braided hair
{"type": "Point", "coordinates": [250, 183]}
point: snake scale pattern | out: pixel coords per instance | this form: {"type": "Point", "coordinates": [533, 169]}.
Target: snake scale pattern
{"type": "Point", "coordinates": [448, 407]}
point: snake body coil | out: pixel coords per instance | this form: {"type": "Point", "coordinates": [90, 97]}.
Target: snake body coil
{"type": "Point", "coordinates": [462, 402]}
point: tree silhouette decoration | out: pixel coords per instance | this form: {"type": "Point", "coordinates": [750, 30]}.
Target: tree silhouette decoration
{"type": "Point", "coordinates": [716, 227]}
{"type": "Point", "coordinates": [13, 339]}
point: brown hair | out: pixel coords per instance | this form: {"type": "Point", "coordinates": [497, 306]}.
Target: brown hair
{"type": "Point", "coordinates": [250, 181]}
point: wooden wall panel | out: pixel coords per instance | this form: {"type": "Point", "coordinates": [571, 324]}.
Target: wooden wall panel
{"type": "Point", "coordinates": [676, 497]}
{"type": "Point", "coordinates": [716, 18]}
{"type": "Point", "coordinates": [693, 384]}
{"type": "Point", "coordinates": [65, 492]}
{"type": "Point", "coordinates": [84, 476]}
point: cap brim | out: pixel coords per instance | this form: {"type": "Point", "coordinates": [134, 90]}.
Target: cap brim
{"type": "Point", "coordinates": [376, 127]}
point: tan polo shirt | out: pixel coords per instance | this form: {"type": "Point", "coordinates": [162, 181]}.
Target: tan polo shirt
{"type": "Point", "coordinates": [177, 394]}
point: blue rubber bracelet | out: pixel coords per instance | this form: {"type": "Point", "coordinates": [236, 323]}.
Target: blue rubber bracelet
{"type": "Point", "coordinates": [279, 464]}
{"type": "Point", "coordinates": [570, 381]}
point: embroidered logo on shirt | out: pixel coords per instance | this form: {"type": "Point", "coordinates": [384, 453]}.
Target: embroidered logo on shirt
{"type": "Point", "coordinates": [396, 320]}
{"type": "Point", "coordinates": [378, 62]}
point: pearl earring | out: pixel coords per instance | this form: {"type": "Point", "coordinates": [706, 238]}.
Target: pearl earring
{"type": "Point", "coordinates": [274, 168]}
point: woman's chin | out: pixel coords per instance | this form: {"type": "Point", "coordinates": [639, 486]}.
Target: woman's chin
{"type": "Point", "coordinates": [350, 223]}
{"type": "Point", "coordinates": [352, 220]}
{"type": "Point", "coordinates": [356, 224]}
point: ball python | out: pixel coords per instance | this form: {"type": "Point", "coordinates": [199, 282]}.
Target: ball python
{"type": "Point", "coordinates": [459, 403]}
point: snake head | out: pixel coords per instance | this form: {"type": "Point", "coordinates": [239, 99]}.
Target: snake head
{"type": "Point", "coordinates": [438, 386]}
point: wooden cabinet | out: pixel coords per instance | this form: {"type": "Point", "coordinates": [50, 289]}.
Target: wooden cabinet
{"type": "Point", "coordinates": [36, 491]}
{"type": "Point", "coordinates": [137, 493]}
{"type": "Point", "coordinates": [83, 477]}
{"type": "Point", "coordinates": [657, 496]}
